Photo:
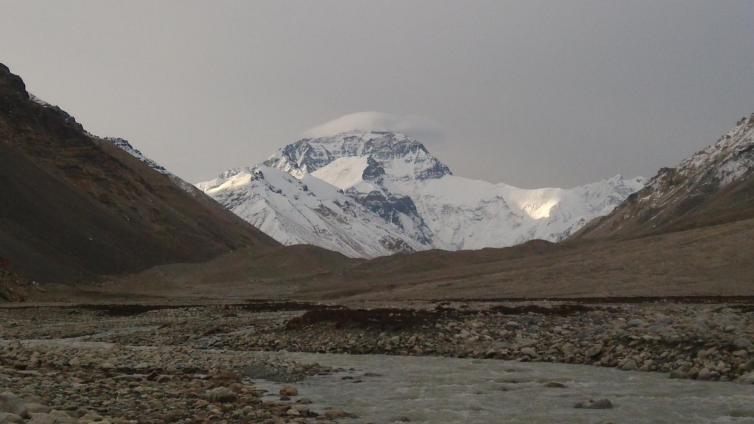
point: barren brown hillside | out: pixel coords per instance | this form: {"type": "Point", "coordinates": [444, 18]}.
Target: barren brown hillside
{"type": "Point", "coordinates": [710, 261]}
{"type": "Point", "coordinates": [75, 207]}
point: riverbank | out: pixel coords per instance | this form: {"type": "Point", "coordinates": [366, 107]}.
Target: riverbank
{"type": "Point", "coordinates": [157, 363]}
{"type": "Point", "coordinates": [706, 341]}
{"type": "Point", "coordinates": [71, 381]}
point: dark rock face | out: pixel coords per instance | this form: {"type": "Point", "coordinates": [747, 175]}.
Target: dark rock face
{"type": "Point", "coordinates": [437, 170]}
{"type": "Point", "coordinates": [390, 208]}
{"type": "Point", "coordinates": [76, 206]}
{"type": "Point", "coordinates": [373, 172]}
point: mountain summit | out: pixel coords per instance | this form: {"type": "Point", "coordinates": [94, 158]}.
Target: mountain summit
{"type": "Point", "coordinates": [372, 193]}
{"type": "Point", "coordinates": [350, 152]}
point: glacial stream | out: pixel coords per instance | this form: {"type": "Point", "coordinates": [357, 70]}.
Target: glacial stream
{"type": "Point", "coordinates": [388, 389]}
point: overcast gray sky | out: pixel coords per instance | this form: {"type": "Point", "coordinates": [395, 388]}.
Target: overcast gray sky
{"type": "Point", "coordinates": [532, 93]}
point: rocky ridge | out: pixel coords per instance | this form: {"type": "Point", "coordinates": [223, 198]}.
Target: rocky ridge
{"type": "Point", "coordinates": [715, 185]}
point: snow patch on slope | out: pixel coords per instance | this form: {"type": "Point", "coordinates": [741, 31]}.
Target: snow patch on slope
{"type": "Point", "coordinates": [343, 173]}
{"type": "Point", "coordinates": [306, 211]}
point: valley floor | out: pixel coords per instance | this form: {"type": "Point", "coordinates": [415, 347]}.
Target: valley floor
{"type": "Point", "coordinates": [172, 363]}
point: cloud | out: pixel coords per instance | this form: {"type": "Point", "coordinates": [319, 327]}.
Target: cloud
{"type": "Point", "coordinates": [421, 128]}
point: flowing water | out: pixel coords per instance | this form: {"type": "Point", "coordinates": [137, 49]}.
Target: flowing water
{"type": "Point", "coordinates": [387, 389]}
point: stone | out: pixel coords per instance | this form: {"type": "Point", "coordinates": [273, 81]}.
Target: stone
{"type": "Point", "coordinates": [707, 374]}
{"type": "Point", "coordinates": [742, 343]}
{"type": "Point", "coordinates": [528, 351]}
{"type": "Point", "coordinates": [37, 407]}
{"type": "Point", "coordinates": [678, 374]}
{"type": "Point", "coordinates": [555, 385]}
{"type": "Point", "coordinates": [221, 394]}
{"type": "Point", "coordinates": [512, 325]}
{"type": "Point", "coordinates": [90, 417]}
{"type": "Point", "coordinates": [594, 350]}
{"type": "Point", "coordinates": [288, 391]}
{"type": "Point", "coordinates": [594, 404]}
{"type": "Point", "coordinates": [43, 418]}
{"type": "Point", "coordinates": [332, 414]}
{"type": "Point", "coordinates": [746, 378]}
{"type": "Point", "coordinates": [9, 418]}
{"type": "Point", "coordinates": [742, 413]}
{"type": "Point", "coordinates": [636, 322]}
{"type": "Point", "coordinates": [629, 365]}
{"type": "Point", "coordinates": [13, 404]}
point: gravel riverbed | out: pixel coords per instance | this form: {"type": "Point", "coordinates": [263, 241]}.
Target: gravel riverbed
{"type": "Point", "coordinates": [141, 363]}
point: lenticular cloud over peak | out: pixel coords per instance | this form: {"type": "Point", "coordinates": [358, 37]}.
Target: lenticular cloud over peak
{"type": "Point", "coordinates": [419, 127]}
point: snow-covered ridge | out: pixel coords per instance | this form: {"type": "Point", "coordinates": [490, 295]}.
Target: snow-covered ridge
{"type": "Point", "coordinates": [345, 191]}
{"type": "Point", "coordinates": [728, 160]}
{"type": "Point", "coordinates": [710, 187]}
{"type": "Point", "coordinates": [731, 156]}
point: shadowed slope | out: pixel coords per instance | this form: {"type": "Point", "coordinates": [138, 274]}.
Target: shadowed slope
{"type": "Point", "coordinates": [75, 206]}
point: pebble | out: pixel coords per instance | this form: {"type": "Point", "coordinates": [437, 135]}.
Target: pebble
{"type": "Point", "coordinates": [595, 404]}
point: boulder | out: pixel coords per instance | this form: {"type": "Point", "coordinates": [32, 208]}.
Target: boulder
{"type": "Point", "coordinates": [13, 404]}
{"type": "Point", "coordinates": [221, 394]}
{"type": "Point", "coordinates": [288, 391]}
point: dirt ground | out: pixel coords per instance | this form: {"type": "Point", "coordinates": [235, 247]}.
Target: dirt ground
{"type": "Point", "coordinates": [711, 261]}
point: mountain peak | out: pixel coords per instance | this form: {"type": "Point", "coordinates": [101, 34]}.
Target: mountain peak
{"type": "Point", "coordinates": [398, 155]}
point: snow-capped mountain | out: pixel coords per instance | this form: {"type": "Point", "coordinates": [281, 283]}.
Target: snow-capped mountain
{"type": "Point", "coordinates": [377, 192]}
{"type": "Point", "coordinates": [714, 185]}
